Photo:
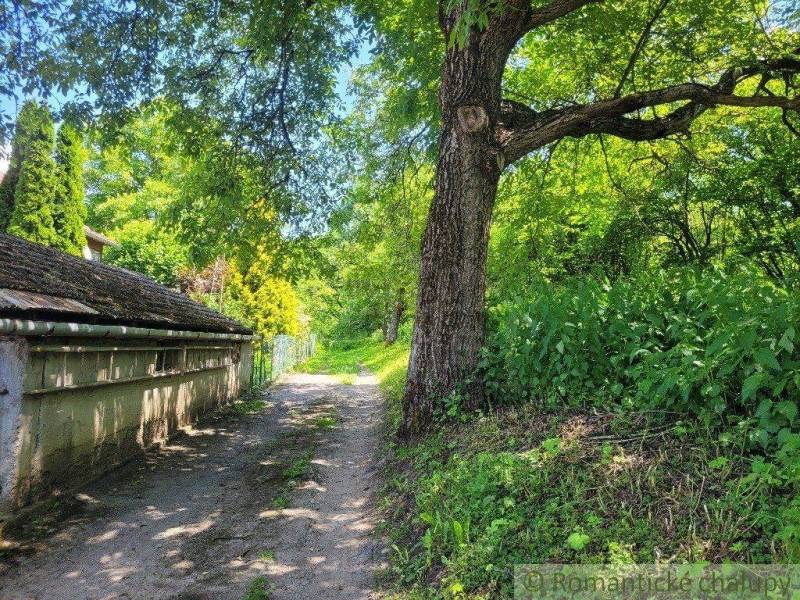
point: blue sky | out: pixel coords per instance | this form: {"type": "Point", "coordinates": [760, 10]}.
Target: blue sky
{"type": "Point", "coordinates": [8, 106]}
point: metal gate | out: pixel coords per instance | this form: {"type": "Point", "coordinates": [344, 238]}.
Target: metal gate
{"type": "Point", "coordinates": [262, 362]}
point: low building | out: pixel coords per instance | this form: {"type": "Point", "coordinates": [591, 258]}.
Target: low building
{"type": "Point", "coordinates": [96, 365]}
{"type": "Point", "coordinates": [95, 243]}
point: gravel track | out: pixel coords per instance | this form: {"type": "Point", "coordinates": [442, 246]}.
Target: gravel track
{"type": "Point", "coordinates": [198, 519]}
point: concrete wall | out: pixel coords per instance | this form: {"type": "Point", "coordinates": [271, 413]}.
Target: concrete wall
{"type": "Point", "coordinates": [73, 408]}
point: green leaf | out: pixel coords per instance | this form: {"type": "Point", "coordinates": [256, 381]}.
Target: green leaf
{"type": "Point", "coordinates": [788, 409]}
{"type": "Point", "coordinates": [578, 541]}
{"type": "Point", "coordinates": [751, 385]}
{"type": "Point", "coordinates": [766, 358]}
{"type": "Point", "coordinates": [718, 463]}
{"type": "Point", "coordinates": [786, 341]}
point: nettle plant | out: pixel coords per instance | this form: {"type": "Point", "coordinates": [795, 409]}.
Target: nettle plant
{"type": "Point", "coordinates": [718, 350]}
{"type": "Point", "coordinates": [721, 346]}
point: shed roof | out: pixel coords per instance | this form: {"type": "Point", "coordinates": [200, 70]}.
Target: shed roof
{"type": "Point", "coordinates": [62, 287]}
{"type": "Point", "coordinates": [98, 237]}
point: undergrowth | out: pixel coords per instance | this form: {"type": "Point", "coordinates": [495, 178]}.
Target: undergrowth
{"type": "Point", "coordinates": [536, 483]}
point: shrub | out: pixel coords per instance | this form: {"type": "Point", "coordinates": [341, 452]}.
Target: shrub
{"type": "Point", "coordinates": [715, 344]}
{"type": "Point", "coordinates": [69, 210]}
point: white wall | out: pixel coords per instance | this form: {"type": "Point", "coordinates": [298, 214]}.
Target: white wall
{"type": "Point", "coordinates": [13, 357]}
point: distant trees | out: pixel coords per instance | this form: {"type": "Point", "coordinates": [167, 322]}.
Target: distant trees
{"type": "Point", "coordinates": [249, 292]}
{"type": "Point", "coordinates": [371, 254]}
{"type": "Point", "coordinates": [41, 195]}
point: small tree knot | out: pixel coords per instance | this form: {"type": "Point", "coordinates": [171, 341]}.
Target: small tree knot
{"type": "Point", "coordinates": [472, 118]}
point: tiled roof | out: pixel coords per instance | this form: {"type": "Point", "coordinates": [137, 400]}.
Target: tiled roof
{"type": "Point", "coordinates": [112, 295]}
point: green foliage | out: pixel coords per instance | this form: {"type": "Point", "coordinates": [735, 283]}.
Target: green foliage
{"type": "Point", "coordinates": [258, 590]}
{"type": "Point", "coordinates": [489, 494]}
{"type": "Point", "coordinates": [345, 359]}
{"type": "Point", "coordinates": [252, 295]}
{"type": "Point", "coordinates": [472, 15]}
{"type": "Point", "coordinates": [370, 258]}
{"type": "Point", "coordinates": [30, 120]}
{"type": "Point", "coordinates": [541, 484]}
{"type": "Point", "coordinates": [212, 66]}
{"type": "Point", "coordinates": [698, 362]}
{"type": "Point", "coordinates": [69, 211]}
{"type": "Point", "coordinates": [41, 199]}
{"type": "Point", "coordinates": [146, 249]}
{"type": "Point", "coordinates": [704, 342]}
{"type": "Point", "coordinates": [34, 194]}
{"type": "Point", "coordinates": [578, 541]}
{"type": "Point", "coordinates": [300, 468]}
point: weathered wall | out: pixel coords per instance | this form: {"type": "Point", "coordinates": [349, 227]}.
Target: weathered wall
{"type": "Point", "coordinates": [13, 356]}
{"type": "Point", "coordinates": [90, 404]}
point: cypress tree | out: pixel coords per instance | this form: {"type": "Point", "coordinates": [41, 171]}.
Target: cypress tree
{"type": "Point", "coordinates": [32, 217]}
{"type": "Point", "coordinates": [28, 120]}
{"type": "Point", "coordinates": [69, 211]}
{"type": "Point", "coordinates": [7, 186]}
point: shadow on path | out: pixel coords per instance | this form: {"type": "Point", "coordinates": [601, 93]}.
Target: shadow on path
{"type": "Point", "coordinates": [213, 510]}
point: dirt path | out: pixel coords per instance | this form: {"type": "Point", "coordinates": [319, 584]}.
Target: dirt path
{"type": "Point", "coordinates": [278, 501]}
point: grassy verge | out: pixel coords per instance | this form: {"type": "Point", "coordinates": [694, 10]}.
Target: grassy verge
{"type": "Point", "coordinates": [387, 363]}
{"type": "Point", "coordinates": [530, 485]}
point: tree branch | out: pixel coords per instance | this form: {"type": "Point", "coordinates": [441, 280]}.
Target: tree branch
{"type": "Point", "coordinates": [521, 130]}
{"type": "Point", "coordinates": [640, 44]}
{"type": "Point", "coordinates": [554, 11]}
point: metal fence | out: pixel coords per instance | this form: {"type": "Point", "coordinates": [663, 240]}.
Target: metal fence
{"type": "Point", "coordinates": [262, 362]}
{"type": "Point", "coordinates": [273, 357]}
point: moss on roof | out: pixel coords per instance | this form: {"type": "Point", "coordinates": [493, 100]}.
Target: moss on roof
{"type": "Point", "coordinates": [117, 295]}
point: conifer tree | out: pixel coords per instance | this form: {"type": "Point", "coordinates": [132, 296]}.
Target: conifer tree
{"type": "Point", "coordinates": [27, 121]}
{"type": "Point", "coordinates": [32, 217]}
{"type": "Point", "coordinates": [7, 186]}
{"type": "Point", "coordinates": [69, 210]}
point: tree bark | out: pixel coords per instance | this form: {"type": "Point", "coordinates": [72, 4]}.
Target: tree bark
{"type": "Point", "coordinates": [393, 324]}
{"type": "Point", "coordinates": [448, 329]}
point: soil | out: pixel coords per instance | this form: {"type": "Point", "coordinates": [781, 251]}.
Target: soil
{"type": "Point", "coordinates": [277, 503]}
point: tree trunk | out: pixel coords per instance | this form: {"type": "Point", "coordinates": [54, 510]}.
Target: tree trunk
{"type": "Point", "coordinates": [448, 330]}
{"type": "Point", "coordinates": [393, 324]}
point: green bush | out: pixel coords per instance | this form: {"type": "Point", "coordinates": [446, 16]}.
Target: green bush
{"type": "Point", "coordinates": [718, 345]}
{"type": "Point", "coordinates": [148, 250]}
{"type": "Point", "coordinates": [69, 210]}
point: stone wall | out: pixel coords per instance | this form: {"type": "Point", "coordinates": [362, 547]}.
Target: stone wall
{"type": "Point", "coordinates": [73, 408]}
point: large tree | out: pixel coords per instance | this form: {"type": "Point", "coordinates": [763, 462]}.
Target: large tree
{"type": "Point", "coordinates": [483, 133]}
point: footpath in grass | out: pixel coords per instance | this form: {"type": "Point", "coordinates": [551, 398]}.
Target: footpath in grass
{"type": "Point", "coordinates": [530, 485]}
{"type": "Point", "coordinates": [344, 360]}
